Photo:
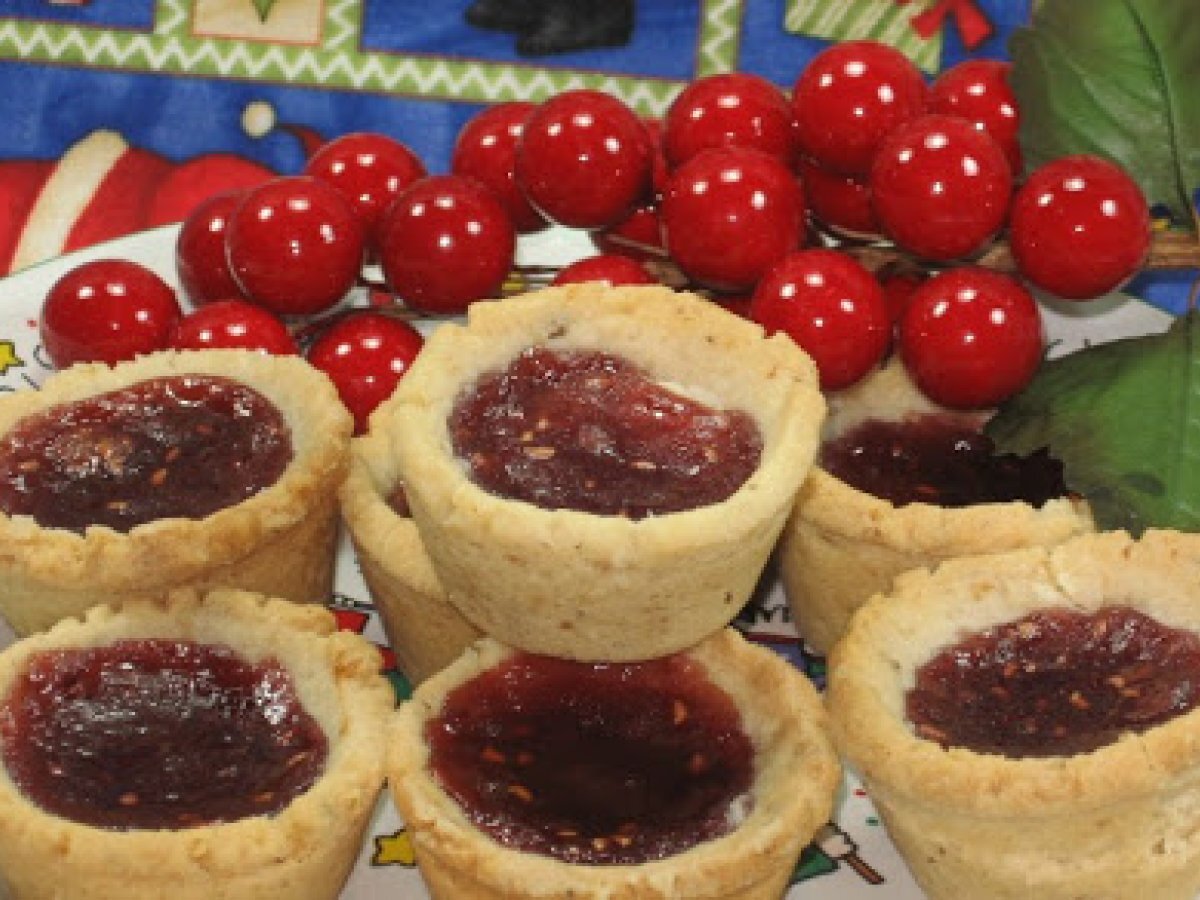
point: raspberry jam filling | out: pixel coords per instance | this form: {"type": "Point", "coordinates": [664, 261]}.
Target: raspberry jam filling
{"type": "Point", "coordinates": [1056, 683]}
{"type": "Point", "coordinates": [934, 459]}
{"type": "Point", "coordinates": [182, 446]}
{"type": "Point", "coordinates": [594, 763]}
{"type": "Point", "coordinates": [591, 432]}
{"type": "Point", "coordinates": [158, 734]}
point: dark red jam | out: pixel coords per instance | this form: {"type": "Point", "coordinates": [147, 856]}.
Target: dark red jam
{"type": "Point", "coordinates": [1056, 683]}
{"type": "Point", "coordinates": [591, 432]}
{"type": "Point", "coordinates": [397, 501]}
{"type": "Point", "coordinates": [183, 446]}
{"type": "Point", "coordinates": [935, 459]}
{"type": "Point", "coordinates": [597, 764]}
{"type": "Point", "coordinates": [152, 734]}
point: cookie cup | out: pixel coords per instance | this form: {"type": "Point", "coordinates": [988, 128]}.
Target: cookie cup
{"type": "Point", "coordinates": [582, 586]}
{"type": "Point", "coordinates": [842, 545]}
{"type": "Point", "coordinates": [304, 852]}
{"type": "Point", "coordinates": [280, 541]}
{"type": "Point", "coordinates": [1119, 822]}
{"type": "Point", "coordinates": [795, 777]}
{"type": "Point", "coordinates": [425, 630]}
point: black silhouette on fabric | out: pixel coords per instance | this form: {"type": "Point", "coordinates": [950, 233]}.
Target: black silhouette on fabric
{"type": "Point", "coordinates": [544, 27]}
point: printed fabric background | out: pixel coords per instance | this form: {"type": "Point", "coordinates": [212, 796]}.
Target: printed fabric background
{"type": "Point", "coordinates": [120, 115]}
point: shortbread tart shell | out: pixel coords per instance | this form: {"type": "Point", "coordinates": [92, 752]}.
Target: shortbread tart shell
{"type": "Point", "coordinates": [280, 542]}
{"type": "Point", "coordinates": [842, 545]}
{"type": "Point", "coordinates": [425, 630]}
{"type": "Point", "coordinates": [1120, 822]}
{"type": "Point", "coordinates": [796, 775]}
{"type": "Point", "coordinates": [304, 852]}
{"type": "Point", "coordinates": [583, 586]}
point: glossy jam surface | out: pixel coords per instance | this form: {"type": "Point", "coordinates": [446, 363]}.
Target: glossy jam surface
{"type": "Point", "coordinates": [180, 446]}
{"type": "Point", "coordinates": [157, 734]}
{"type": "Point", "coordinates": [594, 763]}
{"type": "Point", "coordinates": [591, 432]}
{"type": "Point", "coordinates": [1056, 683]}
{"type": "Point", "coordinates": [934, 459]}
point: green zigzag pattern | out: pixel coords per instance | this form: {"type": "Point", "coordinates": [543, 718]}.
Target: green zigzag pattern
{"type": "Point", "coordinates": [339, 64]}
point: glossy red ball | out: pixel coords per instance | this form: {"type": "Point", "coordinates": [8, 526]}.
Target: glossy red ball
{"type": "Point", "coordinates": [940, 188]}
{"type": "Point", "coordinates": [609, 268]}
{"type": "Point", "coordinates": [729, 214]}
{"type": "Point", "coordinates": [365, 354]}
{"type": "Point", "coordinates": [849, 96]}
{"type": "Point", "coordinates": [732, 109]}
{"type": "Point", "coordinates": [200, 257]}
{"type": "Point", "coordinates": [1079, 227]}
{"type": "Point", "coordinates": [584, 159]}
{"type": "Point", "coordinates": [971, 337]}
{"type": "Point", "coordinates": [486, 150]}
{"type": "Point", "coordinates": [233, 324]}
{"type": "Point", "coordinates": [832, 306]}
{"type": "Point", "coordinates": [978, 90]}
{"type": "Point", "coordinates": [108, 310]}
{"type": "Point", "coordinates": [446, 242]}
{"type": "Point", "coordinates": [295, 245]}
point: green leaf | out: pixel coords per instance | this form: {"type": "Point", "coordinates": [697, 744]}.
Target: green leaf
{"type": "Point", "coordinates": [263, 7]}
{"type": "Point", "coordinates": [1124, 418]}
{"type": "Point", "coordinates": [1118, 79]}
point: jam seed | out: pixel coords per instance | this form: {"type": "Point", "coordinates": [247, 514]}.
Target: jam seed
{"type": "Point", "coordinates": [173, 453]}
{"type": "Point", "coordinates": [567, 833]}
{"type": "Point", "coordinates": [521, 792]}
{"type": "Point", "coordinates": [158, 477]}
{"type": "Point", "coordinates": [492, 755]}
{"type": "Point", "coordinates": [204, 428]}
{"type": "Point", "coordinates": [264, 797]}
{"type": "Point", "coordinates": [679, 712]}
{"type": "Point", "coordinates": [537, 451]}
{"type": "Point", "coordinates": [1079, 701]}
{"type": "Point", "coordinates": [524, 758]}
{"type": "Point", "coordinates": [698, 763]}
{"type": "Point", "coordinates": [28, 465]}
{"type": "Point", "coordinates": [129, 798]}
{"type": "Point", "coordinates": [644, 465]}
{"type": "Point", "coordinates": [930, 733]}
{"type": "Point", "coordinates": [117, 505]}
{"type": "Point", "coordinates": [622, 840]}
{"type": "Point", "coordinates": [600, 844]}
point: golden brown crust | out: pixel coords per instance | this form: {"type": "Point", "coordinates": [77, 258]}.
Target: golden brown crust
{"type": "Point", "coordinates": [842, 545]}
{"type": "Point", "coordinates": [1111, 823]}
{"type": "Point", "coordinates": [425, 630]}
{"type": "Point", "coordinates": [281, 541]}
{"type": "Point", "coordinates": [305, 852]}
{"type": "Point", "coordinates": [584, 586]}
{"type": "Point", "coordinates": [795, 780]}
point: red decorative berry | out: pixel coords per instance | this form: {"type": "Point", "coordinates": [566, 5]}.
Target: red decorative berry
{"type": "Point", "coordinates": [584, 159]}
{"type": "Point", "coordinates": [200, 257]}
{"type": "Point", "coordinates": [898, 288]}
{"type": "Point", "coordinates": [295, 245]}
{"type": "Point", "coordinates": [486, 150]}
{"type": "Point", "coordinates": [370, 170]}
{"type": "Point", "coordinates": [830, 305]}
{"type": "Point", "coordinates": [233, 324]}
{"type": "Point", "coordinates": [1079, 227]}
{"type": "Point", "coordinates": [733, 109]}
{"type": "Point", "coordinates": [848, 97]}
{"type": "Point", "coordinates": [660, 172]}
{"type": "Point", "coordinates": [940, 188]}
{"type": "Point", "coordinates": [841, 202]}
{"type": "Point", "coordinates": [971, 337]}
{"type": "Point", "coordinates": [109, 310]}
{"type": "Point", "coordinates": [608, 268]}
{"type": "Point", "coordinates": [445, 243]}
{"type": "Point", "coordinates": [978, 90]}
{"type": "Point", "coordinates": [365, 354]}
{"type": "Point", "coordinates": [729, 214]}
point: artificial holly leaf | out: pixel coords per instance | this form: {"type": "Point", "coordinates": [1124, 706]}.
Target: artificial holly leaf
{"type": "Point", "coordinates": [1118, 79]}
{"type": "Point", "coordinates": [1124, 418]}
{"type": "Point", "coordinates": [263, 7]}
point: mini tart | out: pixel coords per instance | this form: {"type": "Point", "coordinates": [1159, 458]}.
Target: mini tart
{"type": "Point", "coordinates": [304, 851]}
{"type": "Point", "coordinates": [1116, 822]}
{"type": "Point", "coordinates": [795, 777]}
{"type": "Point", "coordinates": [281, 541]}
{"type": "Point", "coordinates": [584, 586]}
{"type": "Point", "coordinates": [425, 630]}
{"type": "Point", "coordinates": [842, 545]}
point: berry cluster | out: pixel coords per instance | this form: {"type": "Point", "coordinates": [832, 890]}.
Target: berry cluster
{"type": "Point", "coordinates": [757, 197]}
